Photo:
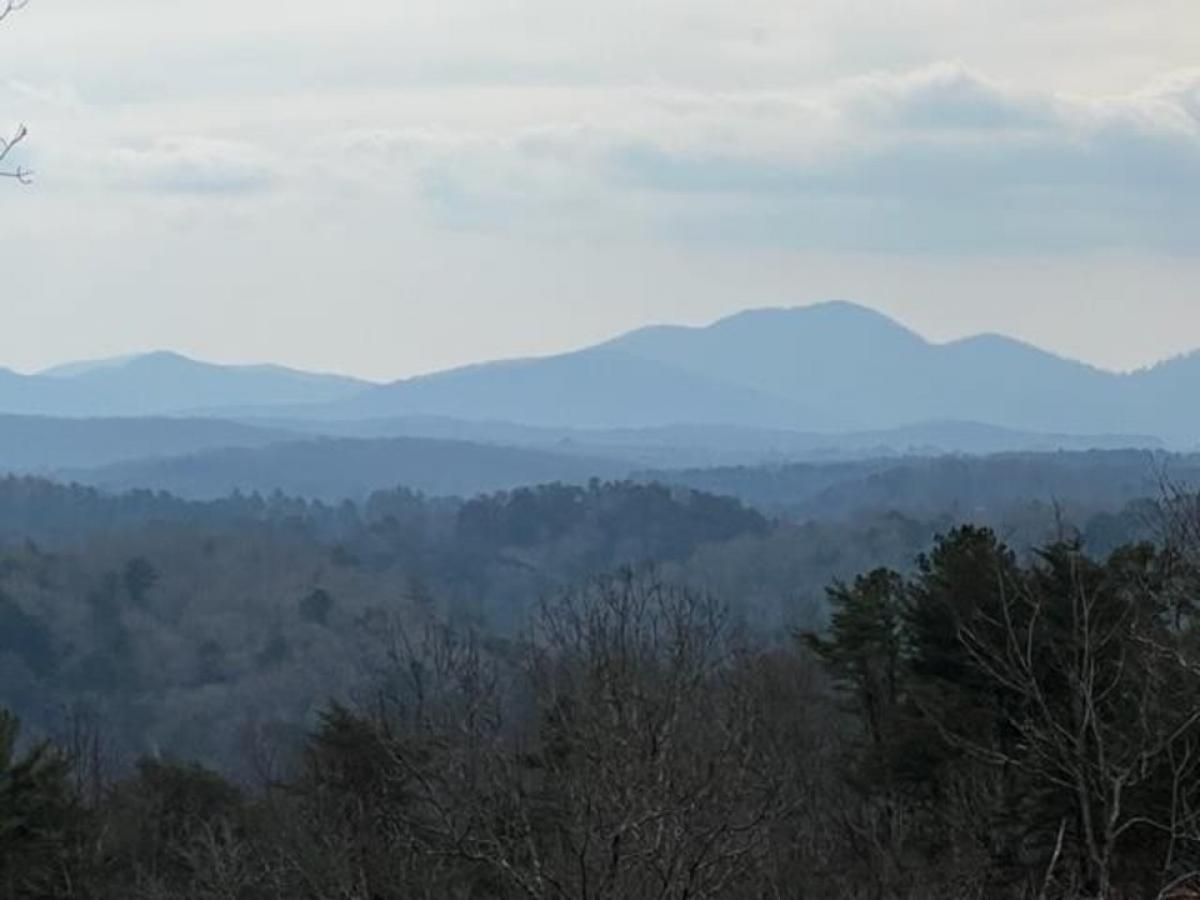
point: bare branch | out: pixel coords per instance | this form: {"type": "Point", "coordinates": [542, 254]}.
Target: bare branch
{"type": "Point", "coordinates": [11, 6]}
{"type": "Point", "coordinates": [20, 173]}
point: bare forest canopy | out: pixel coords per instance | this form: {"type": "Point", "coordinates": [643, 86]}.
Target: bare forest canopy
{"type": "Point", "coordinates": [183, 621]}
{"type": "Point", "coordinates": [987, 724]}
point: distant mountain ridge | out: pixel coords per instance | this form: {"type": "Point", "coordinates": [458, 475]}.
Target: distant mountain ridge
{"type": "Point", "coordinates": [335, 469]}
{"type": "Point", "coordinates": [164, 383]}
{"type": "Point", "coordinates": [41, 445]}
{"type": "Point", "coordinates": [594, 388]}
{"type": "Point", "coordinates": [982, 488]}
{"type": "Point", "coordinates": [202, 456]}
{"type": "Point", "coordinates": [830, 368]}
{"type": "Point", "coordinates": [840, 358]}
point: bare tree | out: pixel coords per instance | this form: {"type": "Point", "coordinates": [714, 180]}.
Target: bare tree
{"type": "Point", "coordinates": [626, 749]}
{"type": "Point", "coordinates": [652, 774]}
{"type": "Point", "coordinates": [1102, 704]}
{"type": "Point", "coordinates": [10, 143]}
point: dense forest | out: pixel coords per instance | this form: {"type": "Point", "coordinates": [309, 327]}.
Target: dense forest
{"type": "Point", "coordinates": [992, 487]}
{"type": "Point", "coordinates": [617, 689]}
{"type": "Point", "coordinates": [987, 725]}
{"type": "Point", "coordinates": [181, 624]}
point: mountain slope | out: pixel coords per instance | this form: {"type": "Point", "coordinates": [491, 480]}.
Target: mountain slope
{"type": "Point", "coordinates": [698, 445]}
{"type": "Point", "coordinates": [840, 359]}
{"type": "Point", "coordinates": [595, 388]}
{"type": "Point", "coordinates": [163, 384]}
{"type": "Point", "coordinates": [335, 469]}
{"type": "Point", "coordinates": [40, 444]}
{"type": "Point", "coordinates": [832, 367]}
{"type": "Point", "coordinates": [963, 488]}
{"type": "Point", "coordinates": [829, 368]}
{"type": "Point", "coordinates": [834, 357]}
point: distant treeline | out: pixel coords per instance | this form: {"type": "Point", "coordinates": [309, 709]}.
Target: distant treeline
{"type": "Point", "coordinates": [972, 487]}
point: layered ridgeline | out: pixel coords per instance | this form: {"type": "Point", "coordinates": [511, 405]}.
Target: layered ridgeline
{"type": "Point", "coordinates": [155, 384]}
{"type": "Point", "coordinates": [772, 383]}
{"type": "Point", "coordinates": [202, 457]}
{"type": "Point", "coordinates": [829, 368]}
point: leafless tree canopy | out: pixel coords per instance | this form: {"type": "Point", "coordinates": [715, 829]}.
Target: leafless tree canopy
{"type": "Point", "coordinates": [986, 728]}
{"type": "Point", "coordinates": [11, 142]}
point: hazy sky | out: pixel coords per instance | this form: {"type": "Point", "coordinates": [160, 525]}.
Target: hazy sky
{"type": "Point", "coordinates": [386, 187]}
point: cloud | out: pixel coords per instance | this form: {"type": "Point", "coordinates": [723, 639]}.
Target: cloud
{"type": "Point", "coordinates": [944, 96]}
{"type": "Point", "coordinates": [936, 160]}
{"type": "Point", "coordinates": [60, 95]}
{"type": "Point", "coordinates": [189, 165]}
{"type": "Point", "coordinates": [1177, 94]}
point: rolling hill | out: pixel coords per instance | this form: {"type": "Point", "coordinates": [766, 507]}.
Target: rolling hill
{"type": "Point", "coordinates": [336, 469]}
{"type": "Point", "coordinates": [963, 488]}
{"type": "Point", "coordinates": [39, 444]}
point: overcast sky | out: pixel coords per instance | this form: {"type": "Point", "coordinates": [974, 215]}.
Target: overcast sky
{"type": "Point", "coordinates": [387, 188]}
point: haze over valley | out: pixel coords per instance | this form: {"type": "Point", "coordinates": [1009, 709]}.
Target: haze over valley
{"type": "Point", "coordinates": [708, 450]}
{"type": "Point", "coordinates": [827, 381]}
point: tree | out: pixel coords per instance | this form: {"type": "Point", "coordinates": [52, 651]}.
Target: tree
{"type": "Point", "coordinates": [630, 752]}
{"type": "Point", "coordinates": [1077, 680]}
{"type": "Point", "coordinates": [9, 144]}
{"type": "Point", "coordinates": [176, 831]}
{"type": "Point", "coordinates": [863, 646]}
{"type": "Point", "coordinates": [316, 606]}
{"type": "Point", "coordinates": [652, 775]}
{"type": "Point", "coordinates": [36, 815]}
{"type": "Point", "coordinates": [1101, 701]}
{"type": "Point", "coordinates": [1040, 718]}
{"type": "Point", "coordinates": [139, 576]}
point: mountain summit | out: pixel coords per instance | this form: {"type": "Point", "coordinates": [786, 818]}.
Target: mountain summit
{"type": "Point", "coordinates": [830, 367]}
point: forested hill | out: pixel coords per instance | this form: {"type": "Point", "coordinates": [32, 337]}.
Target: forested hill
{"type": "Point", "coordinates": [633, 513]}
{"type": "Point", "coordinates": [183, 620]}
{"type": "Point", "coordinates": [179, 619]}
{"type": "Point", "coordinates": [43, 445]}
{"type": "Point", "coordinates": [987, 487]}
{"type": "Point", "coordinates": [333, 469]}
{"type": "Point", "coordinates": [323, 650]}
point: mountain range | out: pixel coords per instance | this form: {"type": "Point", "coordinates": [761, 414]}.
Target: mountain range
{"type": "Point", "coordinates": [163, 383]}
{"type": "Point", "coordinates": [830, 369]}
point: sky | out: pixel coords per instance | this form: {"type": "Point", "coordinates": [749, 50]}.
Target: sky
{"type": "Point", "coordinates": [385, 188]}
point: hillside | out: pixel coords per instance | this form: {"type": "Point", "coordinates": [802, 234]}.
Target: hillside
{"type": "Point", "coordinates": [831, 368]}
{"type": "Point", "coordinates": [595, 388]}
{"type": "Point", "coordinates": [335, 469]}
{"type": "Point", "coordinates": [164, 384]}
{"type": "Point", "coordinates": [42, 444]}
{"type": "Point", "coordinates": [981, 488]}
{"type": "Point", "coordinates": [697, 445]}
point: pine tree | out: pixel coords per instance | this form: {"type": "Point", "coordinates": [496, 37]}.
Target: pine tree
{"type": "Point", "coordinates": [36, 813]}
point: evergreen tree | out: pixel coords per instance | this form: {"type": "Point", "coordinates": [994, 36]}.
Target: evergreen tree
{"type": "Point", "coordinates": [37, 812]}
